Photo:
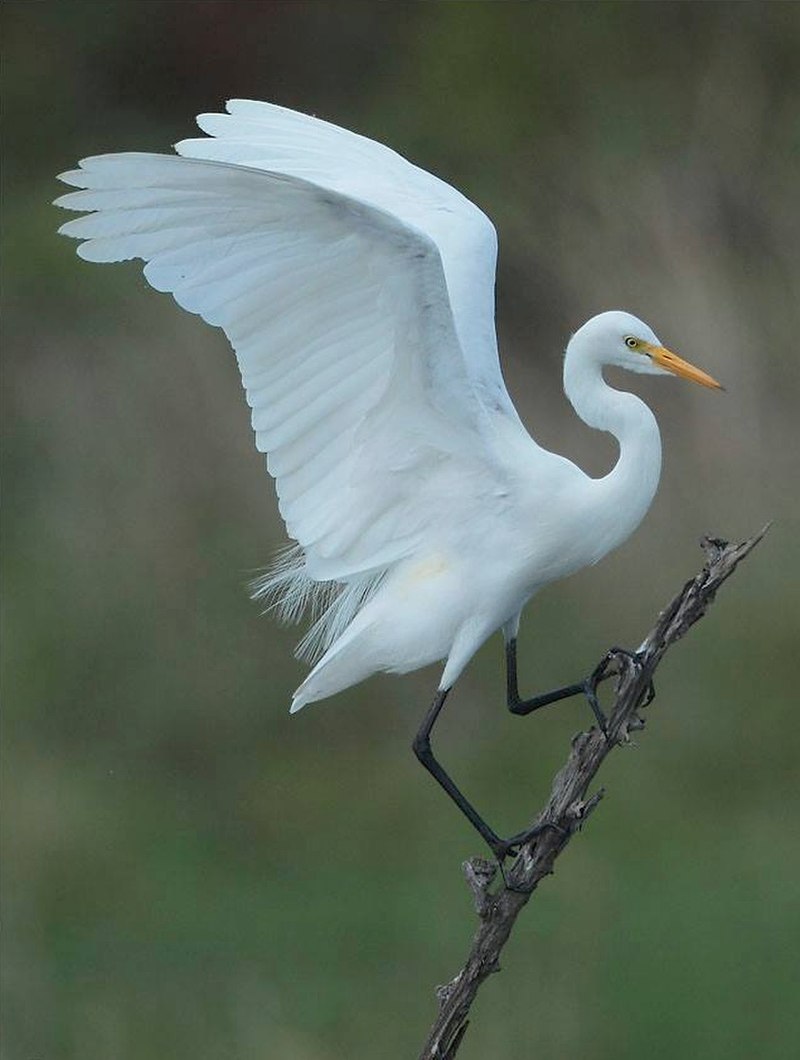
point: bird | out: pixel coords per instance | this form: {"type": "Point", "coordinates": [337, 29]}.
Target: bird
{"type": "Point", "coordinates": [357, 292]}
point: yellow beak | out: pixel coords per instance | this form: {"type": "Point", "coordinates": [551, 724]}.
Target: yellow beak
{"type": "Point", "coordinates": [675, 364]}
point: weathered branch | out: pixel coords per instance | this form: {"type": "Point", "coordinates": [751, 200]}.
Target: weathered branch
{"type": "Point", "coordinates": [568, 806]}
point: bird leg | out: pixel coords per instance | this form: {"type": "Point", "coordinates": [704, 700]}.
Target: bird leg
{"type": "Point", "coordinates": [587, 688]}
{"type": "Point", "coordinates": [601, 672]}
{"type": "Point", "coordinates": [501, 848]}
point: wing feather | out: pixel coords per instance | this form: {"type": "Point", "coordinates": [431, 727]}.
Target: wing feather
{"type": "Point", "coordinates": [357, 292]}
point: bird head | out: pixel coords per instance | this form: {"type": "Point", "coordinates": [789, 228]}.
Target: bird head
{"type": "Point", "coordinates": [623, 340]}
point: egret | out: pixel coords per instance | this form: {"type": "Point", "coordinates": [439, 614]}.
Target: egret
{"type": "Point", "coordinates": [357, 292]}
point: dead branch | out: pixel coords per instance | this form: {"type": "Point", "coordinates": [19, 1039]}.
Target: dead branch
{"type": "Point", "coordinates": [568, 805]}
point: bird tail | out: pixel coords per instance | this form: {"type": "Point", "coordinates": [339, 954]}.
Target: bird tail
{"type": "Point", "coordinates": [288, 589]}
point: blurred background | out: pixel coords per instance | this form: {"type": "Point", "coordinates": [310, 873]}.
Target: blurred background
{"type": "Point", "coordinates": [191, 873]}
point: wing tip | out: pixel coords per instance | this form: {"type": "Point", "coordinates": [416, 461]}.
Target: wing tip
{"type": "Point", "coordinates": [298, 702]}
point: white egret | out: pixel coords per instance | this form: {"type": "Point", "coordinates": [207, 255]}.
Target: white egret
{"type": "Point", "coordinates": [358, 293]}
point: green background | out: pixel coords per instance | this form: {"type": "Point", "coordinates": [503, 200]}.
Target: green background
{"type": "Point", "coordinates": [189, 872]}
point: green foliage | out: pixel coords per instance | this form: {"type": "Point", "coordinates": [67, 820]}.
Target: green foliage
{"type": "Point", "coordinates": [190, 872]}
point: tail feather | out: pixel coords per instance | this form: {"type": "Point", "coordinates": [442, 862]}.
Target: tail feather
{"type": "Point", "coordinates": [288, 589]}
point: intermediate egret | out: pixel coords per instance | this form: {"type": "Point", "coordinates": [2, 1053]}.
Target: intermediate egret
{"type": "Point", "coordinates": [358, 293]}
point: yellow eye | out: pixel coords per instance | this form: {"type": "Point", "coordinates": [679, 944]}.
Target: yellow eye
{"type": "Point", "coordinates": [631, 342]}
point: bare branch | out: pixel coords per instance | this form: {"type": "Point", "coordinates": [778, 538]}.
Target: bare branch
{"type": "Point", "coordinates": [568, 806]}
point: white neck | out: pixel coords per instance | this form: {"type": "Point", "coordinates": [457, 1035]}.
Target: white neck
{"type": "Point", "coordinates": [625, 493]}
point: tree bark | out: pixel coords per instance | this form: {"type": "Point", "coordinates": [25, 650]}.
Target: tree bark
{"type": "Point", "coordinates": [568, 806]}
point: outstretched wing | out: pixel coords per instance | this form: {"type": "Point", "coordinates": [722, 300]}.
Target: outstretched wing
{"type": "Point", "coordinates": [357, 292]}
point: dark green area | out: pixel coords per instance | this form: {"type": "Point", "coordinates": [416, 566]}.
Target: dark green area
{"type": "Point", "coordinates": [191, 873]}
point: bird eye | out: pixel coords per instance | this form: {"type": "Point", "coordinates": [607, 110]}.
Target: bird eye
{"type": "Point", "coordinates": [631, 342]}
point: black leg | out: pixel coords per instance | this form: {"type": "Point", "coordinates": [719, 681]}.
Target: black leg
{"type": "Point", "coordinates": [527, 706]}
{"type": "Point", "coordinates": [501, 848]}
{"type": "Point", "coordinates": [424, 752]}
{"type": "Point", "coordinates": [588, 688]}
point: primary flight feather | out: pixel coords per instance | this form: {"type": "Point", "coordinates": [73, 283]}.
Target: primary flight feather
{"type": "Point", "coordinates": [357, 291]}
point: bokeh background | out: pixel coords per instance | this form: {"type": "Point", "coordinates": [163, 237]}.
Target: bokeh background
{"type": "Point", "coordinates": [191, 873]}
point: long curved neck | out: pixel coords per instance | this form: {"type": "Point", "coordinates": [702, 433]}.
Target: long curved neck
{"type": "Point", "coordinates": [626, 492]}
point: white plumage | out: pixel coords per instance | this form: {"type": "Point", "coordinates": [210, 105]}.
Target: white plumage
{"type": "Point", "coordinates": [358, 293]}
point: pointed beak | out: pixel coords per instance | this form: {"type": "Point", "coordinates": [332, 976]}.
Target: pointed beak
{"type": "Point", "coordinates": [673, 363]}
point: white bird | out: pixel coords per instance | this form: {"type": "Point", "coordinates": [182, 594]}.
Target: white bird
{"type": "Point", "coordinates": [357, 291]}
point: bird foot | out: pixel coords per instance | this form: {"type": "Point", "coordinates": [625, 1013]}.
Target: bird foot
{"type": "Point", "coordinates": [509, 848]}
{"type": "Point", "coordinates": [609, 665]}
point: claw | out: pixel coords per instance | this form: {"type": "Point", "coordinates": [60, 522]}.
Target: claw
{"type": "Point", "coordinates": [505, 848]}
{"type": "Point", "coordinates": [636, 658]}
{"type": "Point", "coordinates": [590, 690]}
{"type": "Point", "coordinates": [602, 671]}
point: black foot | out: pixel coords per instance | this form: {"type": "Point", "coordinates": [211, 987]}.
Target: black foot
{"type": "Point", "coordinates": [636, 658]}
{"type": "Point", "coordinates": [604, 669]}
{"type": "Point", "coordinates": [509, 848]}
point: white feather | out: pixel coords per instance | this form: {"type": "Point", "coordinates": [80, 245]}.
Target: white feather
{"type": "Point", "coordinates": [353, 287]}
{"type": "Point", "coordinates": [358, 293]}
